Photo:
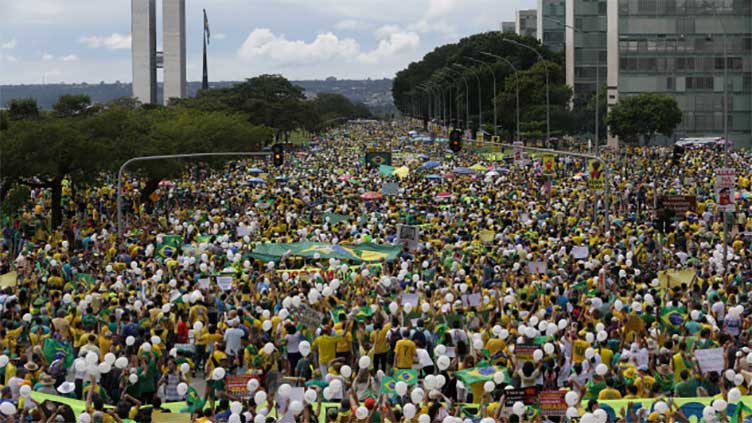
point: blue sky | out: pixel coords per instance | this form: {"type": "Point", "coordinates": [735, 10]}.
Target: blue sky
{"type": "Point", "coordinates": [89, 40]}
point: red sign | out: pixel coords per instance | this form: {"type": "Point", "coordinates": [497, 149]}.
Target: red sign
{"type": "Point", "coordinates": [552, 403]}
{"type": "Point", "coordinates": [238, 385]}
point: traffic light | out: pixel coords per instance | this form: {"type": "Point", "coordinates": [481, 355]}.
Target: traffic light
{"type": "Point", "coordinates": [455, 140]}
{"type": "Point", "coordinates": [278, 155]}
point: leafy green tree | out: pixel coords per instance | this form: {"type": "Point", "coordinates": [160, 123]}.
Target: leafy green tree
{"type": "Point", "coordinates": [644, 116]}
{"type": "Point", "coordinates": [23, 109]}
{"type": "Point", "coordinates": [584, 114]}
{"type": "Point", "coordinates": [72, 105]}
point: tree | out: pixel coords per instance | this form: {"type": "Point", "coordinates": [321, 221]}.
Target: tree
{"type": "Point", "coordinates": [23, 109]}
{"type": "Point", "coordinates": [71, 105]}
{"type": "Point", "coordinates": [584, 114]}
{"type": "Point", "coordinates": [644, 116]}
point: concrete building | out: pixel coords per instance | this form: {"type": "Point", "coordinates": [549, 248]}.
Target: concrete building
{"type": "Point", "coordinates": [144, 50]}
{"type": "Point", "coordinates": [173, 36]}
{"type": "Point", "coordinates": [549, 29]}
{"type": "Point", "coordinates": [677, 47]}
{"type": "Point", "coordinates": [146, 58]}
{"type": "Point", "coordinates": [526, 24]}
{"type": "Point", "coordinates": [509, 26]}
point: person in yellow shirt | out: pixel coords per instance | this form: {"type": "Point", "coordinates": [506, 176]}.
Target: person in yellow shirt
{"type": "Point", "coordinates": [380, 345]}
{"type": "Point", "coordinates": [405, 352]}
{"type": "Point", "coordinates": [609, 393]}
{"type": "Point", "coordinates": [326, 345]}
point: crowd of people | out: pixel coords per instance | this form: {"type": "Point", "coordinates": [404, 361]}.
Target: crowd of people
{"type": "Point", "coordinates": [517, 281]}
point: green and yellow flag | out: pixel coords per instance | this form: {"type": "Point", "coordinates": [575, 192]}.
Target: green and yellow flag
{"type": "Point", "coordinates": [673, 318]}
{"type": "Point", "coordinates": [387, 385]}
{"type": "Point", "coordinates": [478, 374]}
{"type": "Point", "coordinates": [409, 376]}
{"type": "Point", "coordinates": [169, 246]}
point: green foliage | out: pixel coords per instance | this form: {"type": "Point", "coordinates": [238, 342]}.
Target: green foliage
{"type": "Point", "coordinates": [644, 115]}
{"type": "Point", "coordinates": [23, 109]}
{"type": "Point", "coordinates": [15, 200]}
{"type": "Point", "coordinates": [584, 113]}
{"type": "Point", "coordinates": [72, 105]}
{"type": "Point", "coordinates": [531, 76]}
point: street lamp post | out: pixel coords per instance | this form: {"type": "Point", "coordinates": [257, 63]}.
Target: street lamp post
{"type": "Point", "coordinates": [548, 98]}
{"type": "Point", "coordinates": [467, 95]}
{"type": "Point", "coordinates": [516, 84]}
{"type": "Point", "coordinates": [597, 84]}
{"type": "Point", "coordinates": [448, 79]}
{"type": "Point", "coordinates": [480, 93]}
{"type": "Point", "coordinates": [493, 100]}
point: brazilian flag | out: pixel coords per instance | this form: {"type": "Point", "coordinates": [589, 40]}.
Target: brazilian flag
{"type": "Point", "coordinates": [478, 374]}
{"type": "Point", "coordinates": [86, 279]}
{"type": "Point", "coordinates": [169, 246]}
{"type": "Point", "coordinates": [673, 318]}
{"type": "Point", "coordinates": [409, 376]}
{"type": "Point", "coordinates": [739, 413]}
{"type": "Point", "coordinates": [374, 159]}
{"type": "Point", "coordinates": [387, 385]}
{"type": "Point", "coordinates": [53, 346]}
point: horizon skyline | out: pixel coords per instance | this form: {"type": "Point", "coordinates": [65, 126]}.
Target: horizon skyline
{"type": "Point", "coordinates": [88, 41]}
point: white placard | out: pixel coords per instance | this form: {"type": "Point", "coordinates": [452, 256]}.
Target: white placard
{"type": "Point", "coordinates": [224, 282]}
{"type": "Point", "coordinates": [580, 252]}
{"type": "Point", "coordinates": [710, 359]}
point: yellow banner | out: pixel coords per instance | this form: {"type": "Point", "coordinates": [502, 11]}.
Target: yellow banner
{"type": "Point", "coordinates": [672, 278]}
{"type": "Point", "coordinates": [8, 280]}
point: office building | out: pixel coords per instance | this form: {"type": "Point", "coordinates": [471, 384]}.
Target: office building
{"type": "Point", "coordinates": [146, 58]}
{"type": "Point", "coordinates": [509, 27]}
{"type": "Point", "coordinates": [550, 31]}
{"type": "Point", "coordinates": [677, 47]}
{"type": "Point", "coordinates": [585, 47]}
{"type": "Point", "coordinates": [527, 23]}
{"type": "Point", "coordinates": [144, 50]}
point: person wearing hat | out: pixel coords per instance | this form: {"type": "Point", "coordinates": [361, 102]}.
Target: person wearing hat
{"type": "Point", "coordinates": [46, 385]}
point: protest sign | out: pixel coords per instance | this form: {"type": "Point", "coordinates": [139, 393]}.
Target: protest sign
{"type": "Point", "coordinates": [527, 396]}
{"type": "Point", "coordinates": [537, 267]}
{"type": "Point", "coordinates": [409, 235]}
{"type": "Point", "coordinates": [390, 188]}
{"type": "Point", "coordinates": [237, 385]}
{"type": "Point", "coordinates": [596, 177]}
{"type": "Point", "coordinates": [524, 352]}
{"type": "Point", "coordinates": [672, 278]}
{"type": "Point", "coordinates": [552, 403]}
{"type": "Point", "coordinates": [310, 318]}
{"type": "Point", "coordinates": [725, 187]}
{"type": "Point", "coordinates": [580, 252]}
{"type": "Point", "coordinates": [710, 359]}
{"type": "Point", "coordinates": [471, 300]}
{"type": "Point", "coordinates": [224, 282]}
{"type": "Point", "coordinates": [412, 299]}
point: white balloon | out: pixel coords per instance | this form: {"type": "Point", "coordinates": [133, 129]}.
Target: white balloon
{"type": "Point", "coordinates": [268, 348]}
{"type": "Point", "coordinates": [489, 386]}
{"type": "Point", "coordinates": [361, 413]}
{"type": "Point", "coordinates": [328, 394]}
{"type": "Point", "coordinates": [25, 391]}
{"type": "Point", "coordinates": [601, 369]}
{"type": "Point", "coordinates": [498, 378]}
{"type": "Point", "coordinates": [719, 405]}
{"type": "Point", "coordinates": [417, 396]}
{"type": "Point", "coordinates": [80, 365]}
{"type": "Point", "coordinates": [296, 407]}
{"type": "Point", "coordinates": [571, 398]}
{"type": "Point", "coordinates": [104, 367]}
{"type": "Point", "coordinates": [440, 381]}
{"type": "Point", "coordinates": [133, 378]}
{"type": "Point", "coordinates": [121, 363]}
{"type": "Point", "coordinates": [401, 388]}
{"type": "Point", "coordinates": [734, 395]}
{"type": "Point", "coordinates": [234, 418]}
{"type": "Point", "coordinates": [548, 348]}
{"type": "Point", "coordinates": [310, 396]}
{"type": "Point", "coordinates": [345, 371]}
{"type": "Point", "coordinates": [518, 408]}
{"type": "Point", "coordinates": [218, 373]}
{"type": "Point", "coordinates": [537, 355]}
{"type": "Point", "coordinates": [304, 348]}
{"type": "Point", "coordinates": [424, 418]}
{"type": "Point", "coordinates": [572, 413]}
{"type": "Point", "coordinates": [589, 353]}
{"type": "Point", "coordinates": [409, 411]}
{"type": "Point", "coordinates": [129, 341]}
{"type": "Point", "coordinates": [259, 397]}
{"type": "Point", "coordinates": [661, 407]}
{"type": "Point", "coordinates": [364, 362]}
{"type": "Point", "coordinates": [252, 385]}
{"type": "Point", "coordinates": [84, 418]}
{"type": "Point", "coordinates": [729, 374]}
{"type": "Point", "coordinates": [260, 418]}
{"type": "Point", "coordinates": [443, 362]}
{"type": "Point", "coordinates": [182, 388]}
{"type": "Point", "coordinates": [266, 325]}
{"type": "Point", "coordinates": [284, 390]}
{"type": "Point", "coordinates": [600, 415]}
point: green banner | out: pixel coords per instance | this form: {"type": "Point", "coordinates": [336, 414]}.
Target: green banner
{"type": "Point", "coordinates": [366, 252]}
{"type": "Point", "coordinates": [386, 170]}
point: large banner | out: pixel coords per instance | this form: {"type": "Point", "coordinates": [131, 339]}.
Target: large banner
{"type": "Point", "coordinates": [366, 252]}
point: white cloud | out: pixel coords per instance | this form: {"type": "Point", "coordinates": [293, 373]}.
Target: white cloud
{"type": "Point", "coordinates": [115, 41]}
{"type": "Point", "coordinates": [263, 44]}
{"type": "Point", "coordinates": [351, 25]}
{"type": "Point", "coordinates": [441, 8]}
{"type": "Point", "coordinates": [9, 44]}
{"type": "Point", "coordinates": [69, 58]}
{"type": "Point", "coordinates": [392, 42]}
{"type": "Point", "coordinates": [47, 57]}
{"type": "Point", "coordinates": [8, 58]}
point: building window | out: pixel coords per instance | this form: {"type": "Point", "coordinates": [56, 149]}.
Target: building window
{"type": "Point", "coordinates": [670, 83]}
{"type": "Point", "coordinates": [685, 25]}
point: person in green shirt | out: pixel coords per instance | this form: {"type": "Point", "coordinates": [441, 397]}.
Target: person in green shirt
{"type": "Point", "coordinates": [146, 376]}
{"type": "Point", "coordinates": [687, 387]}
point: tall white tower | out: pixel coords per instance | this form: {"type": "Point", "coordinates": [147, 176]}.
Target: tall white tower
{"type": "Point", "coordinates": [146, 59]}
{"type": "Point", "coordinates": [144, 50]}
{"type": "Point", "coordinates": [173, 21]}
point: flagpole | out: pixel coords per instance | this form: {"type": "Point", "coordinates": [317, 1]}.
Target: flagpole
{"type": "Point", "coordinates": [205, 79]}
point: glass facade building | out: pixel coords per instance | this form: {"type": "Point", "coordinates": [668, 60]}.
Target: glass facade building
{"type": "Point", "coordinates": [681, 47]}
{"type": "Point", "coordinates": [551, 13]}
